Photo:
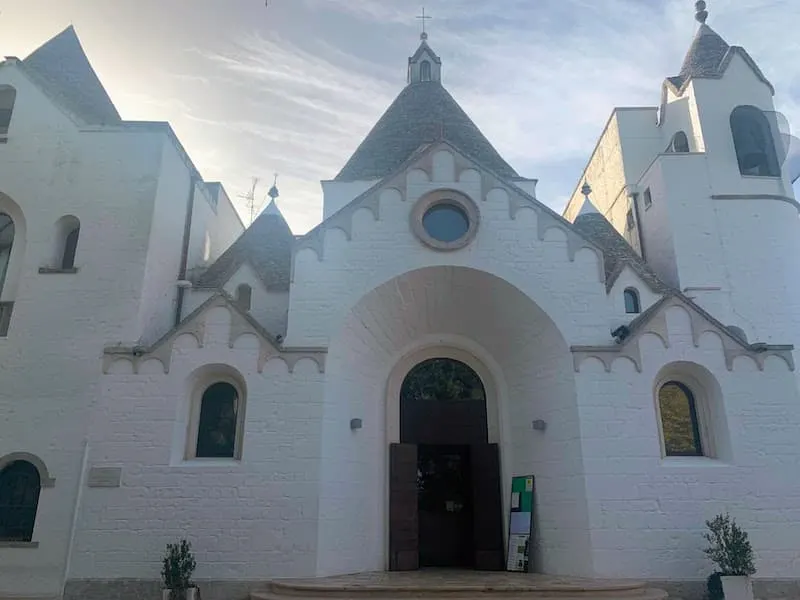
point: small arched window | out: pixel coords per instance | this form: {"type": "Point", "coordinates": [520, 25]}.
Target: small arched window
{"type": "Point", "coordinates": [20, 485]}
{"type": "Point", "coordinates": [244, 296]}
{"type": "Point", "coordinates": [679, 423]}
{"type": "Point", "coordinates": [6, 243]}
{"type": "Point", "coordinates": [754, 143]}
{"type": "Point", "coordinates": [68, 231]}
{"type": "Point", "coordinates": [425, 71]}
{"type": "Point", "coordinates": [70, 248]}
{"type": "Point", "coordinates": [220, 422]}
{"type": "Point", "coordinates": [680, 142]}
{"type": "Point", "coordinates": [8, 95]}
{"type": "Point", "coordinates": [632, 305]}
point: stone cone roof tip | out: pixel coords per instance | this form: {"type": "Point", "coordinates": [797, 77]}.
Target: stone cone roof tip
{"type": "Point", "coordinates": [422, 113]}
{"type": "Point", "coordinates": [61, 67]}
{"type": "Point", "coordinates": [588, 208]}
{"type": "Point", "coordinates": [273, 209]}
{"type": "Point", "coordinates": [704, 58]}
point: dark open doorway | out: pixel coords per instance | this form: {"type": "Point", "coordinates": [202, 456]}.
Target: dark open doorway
{"type": "Point", "coordinates": [445, 502]}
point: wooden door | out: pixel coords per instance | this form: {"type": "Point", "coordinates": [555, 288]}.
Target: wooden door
{"type": "Point", "coordinates": [487, 508]}
{"type": "Point", "coordinates": [403, 508]}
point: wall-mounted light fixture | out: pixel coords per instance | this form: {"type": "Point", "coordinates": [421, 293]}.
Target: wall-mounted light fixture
{"type": "Point", "coordinates": [356, 424]}
{"type": "Point", "coordinates": [539, 425]}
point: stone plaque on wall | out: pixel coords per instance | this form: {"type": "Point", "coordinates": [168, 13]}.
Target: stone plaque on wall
{"type": "Point", "coordinates": [105, 477]}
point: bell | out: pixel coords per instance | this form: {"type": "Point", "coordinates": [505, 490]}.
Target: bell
{"type": "Point", "coordinates": [752, 159]}
{"type": "Point", "coordinates": [750, 144]}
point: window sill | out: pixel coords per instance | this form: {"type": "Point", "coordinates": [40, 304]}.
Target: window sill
{"type": "Point", "coordinates": [208, 462]}
{"type": "Point", "coordinates": [761, 177]}
{"type": "Point", "coordinates": [692, 461]}
{"type": "Point", "coordinates": [54, 271]}
{"type": "Point", "coordinates": [19, 545]}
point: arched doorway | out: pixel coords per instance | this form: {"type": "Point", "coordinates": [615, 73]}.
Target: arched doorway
{"type": "Point", "coordinates": [445, 497]}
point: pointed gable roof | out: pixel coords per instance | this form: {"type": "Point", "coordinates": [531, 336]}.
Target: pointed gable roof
{"type": "Point", "coordinates": [61, 67]}
{"type": "Point", "coordinates": [423, 48]}
{"type": "Point", "coordinates": [708, 58]}
{"type": "Point", "coordinates": [266, 245]}
{"type": "Point", "coordinates": [423, 113]}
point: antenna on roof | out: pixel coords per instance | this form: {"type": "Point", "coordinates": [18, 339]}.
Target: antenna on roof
{"type": "Point", "coordinates": [250, 200]}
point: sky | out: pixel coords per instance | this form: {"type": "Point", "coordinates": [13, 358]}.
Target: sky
{"type": "Point", "coordinates": [292, 88]}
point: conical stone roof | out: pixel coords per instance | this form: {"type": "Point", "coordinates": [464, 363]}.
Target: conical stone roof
{"type": "Point", "coordinates": [423, 113]}
{"type": "Point", "coordinates": [617, 252]}
{"type": "Point", "coordinates": [60, 66]}
{"type": "Point", "coordinates": [266, 245]}
{"type": "Point", "coordinates": [704, 58]}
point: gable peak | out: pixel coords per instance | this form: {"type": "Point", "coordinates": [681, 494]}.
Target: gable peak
{"type": "Point", "coordinates": [62, 68]}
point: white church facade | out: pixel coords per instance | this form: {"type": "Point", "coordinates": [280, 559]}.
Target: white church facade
{"type": "Point", "coordinates": [167, 373]}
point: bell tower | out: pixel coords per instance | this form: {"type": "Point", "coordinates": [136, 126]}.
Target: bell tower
{"type": "Point", "coordinates": [717, 211]}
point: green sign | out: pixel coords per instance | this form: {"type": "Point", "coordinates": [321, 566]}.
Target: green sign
{"type": "Point", "coordinates": [520, 527]}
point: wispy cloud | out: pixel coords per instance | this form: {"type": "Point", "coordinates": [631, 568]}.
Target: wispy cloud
{"type": "Point", "coordinates": [539, 78]}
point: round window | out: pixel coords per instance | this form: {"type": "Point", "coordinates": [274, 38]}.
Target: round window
{"type": "Point", "coordinates": [446, 222]}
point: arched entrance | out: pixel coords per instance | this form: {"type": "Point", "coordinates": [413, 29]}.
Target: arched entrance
{"type": "Point", "coordinates": [445, 497]}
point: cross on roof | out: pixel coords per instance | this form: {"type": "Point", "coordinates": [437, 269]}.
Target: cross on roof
{"type": "Point", "coordinates": [424, 18]}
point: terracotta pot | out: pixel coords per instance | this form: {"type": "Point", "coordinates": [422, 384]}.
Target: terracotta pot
{"type": "Point", "coordinates": [191, 594]}
{"type": "Point", "coordinates": [737, 587]}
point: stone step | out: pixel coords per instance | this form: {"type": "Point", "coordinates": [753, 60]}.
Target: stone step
{"type": "Point", "coordinates": [647, 594]}
{"type": "Point", "coordinates": [456, 585]}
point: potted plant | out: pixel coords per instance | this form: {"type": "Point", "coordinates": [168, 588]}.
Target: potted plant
{"type": "Point", "coordinates": [176, 572]}
{"type": "Point", "coordinates": [729, 547]}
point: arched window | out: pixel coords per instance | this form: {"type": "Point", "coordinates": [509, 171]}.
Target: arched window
{"type": "Point", "coordinates": [425, 71]}
{"type": "Point", "coordinates": [8, 96]}
{"type": "Point", "coordinates": [70, 248]}
{"type": "Point", "coordinates": [219, 423]}
{"type": "Point", "coordinates": [680, 143]}
{"type": "Point", "coordinates": [244, 296]}
{"type": "Point", "coordinates": [20, 485]}
{"type": "Point", "coordinates": [632, 306]}
{"type": "Point", "coordinates": [6, 243]}
{"type": "Point", "coordinates": [679, 423]}
{"type": "Point", "coordinates": [754, 143]}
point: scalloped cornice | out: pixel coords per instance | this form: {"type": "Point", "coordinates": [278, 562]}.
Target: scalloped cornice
{"type": "Point", "coordinates": [654, 321]}
{"type": "Point", "coordinates": [241, 323]}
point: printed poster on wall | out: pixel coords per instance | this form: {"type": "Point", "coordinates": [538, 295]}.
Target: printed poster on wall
{"type": "Point", "coordinates": [520, 528]}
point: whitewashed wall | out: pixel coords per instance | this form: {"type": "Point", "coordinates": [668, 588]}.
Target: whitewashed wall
{"type": "Point", "coordinates": [326, 286]}
{"type": "Point", "coordinates": [61, 322]}
{"type": "Point", "coordinates": [382, 295]}
{"type": "Point", "coordinates": [481, 320]}
{"type": "Point", "coordinates": [647, 512]}
{"type": "Point", "coordinates": [269, 308]}
{"type": "Point", "coordinates": [248, 520]}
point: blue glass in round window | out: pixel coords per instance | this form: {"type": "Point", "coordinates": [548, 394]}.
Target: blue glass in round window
{"type": "Point", "coordinates": [446, 222]}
